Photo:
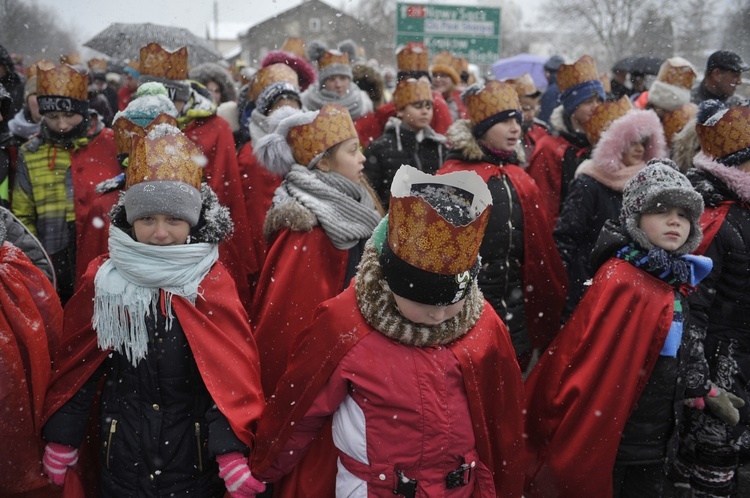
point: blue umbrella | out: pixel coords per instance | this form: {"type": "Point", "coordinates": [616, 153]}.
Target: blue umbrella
{"type": "Point", "coordinates": [516, 66]}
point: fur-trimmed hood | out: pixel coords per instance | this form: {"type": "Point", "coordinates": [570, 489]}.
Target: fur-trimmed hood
{"type": "Point", "coordinates": [396, 124]}
{"type": "Point", "coordinates": [291, 215]}
{"type": "Point", "coordinates": [685, 146]}
{"type": "Point", "coordinates": [735, 180]}
{"type": "Point", "coordinates": [463, 140]}
{"type": "Point", "coordinates": [210, 71]}
{"type": "Point", "coordinates": [213, 227]}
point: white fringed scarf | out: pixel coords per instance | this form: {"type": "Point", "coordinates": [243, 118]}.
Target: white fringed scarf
{"type": "Point", "coordinates": [126, 288]}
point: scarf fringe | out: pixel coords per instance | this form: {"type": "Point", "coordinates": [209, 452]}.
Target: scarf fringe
{"type": "Point", "coordinates": [116, 330]}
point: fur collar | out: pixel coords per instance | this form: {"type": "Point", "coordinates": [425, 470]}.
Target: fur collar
{"type": "Point", "coordinates": [291, 215]}
{"type": "Point", "coordinates": [685, 145]}
{"type": "Point", "coordinates": [736, 180]}
{"type": "Point", "coordinates": [378, 307]}
{"type": "Point", "coordinates": [463, 140]}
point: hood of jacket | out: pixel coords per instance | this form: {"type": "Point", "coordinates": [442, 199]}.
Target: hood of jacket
{"type": "Point", "coordinates": [465, 145]}
{"type": "Point", "coordinates": [717, 182]}
{"type": "Point", "coordinates": [210, 71]}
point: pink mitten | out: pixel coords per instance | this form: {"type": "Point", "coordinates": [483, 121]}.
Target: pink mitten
{"type": "Point", "coordinates": [57, 458]}
{"type": "Point", "coordinates": [234, 469]}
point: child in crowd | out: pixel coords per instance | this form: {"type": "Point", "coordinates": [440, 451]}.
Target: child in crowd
{"type": "Point", "coordinates": [604, 403]}
{"type": "Point", "coordinates": [321, 216]}
{"type": "Point", "coordinates": [161, 320]}
{"type": "Point", "coordinates": [522, 276]}
{"type": "Point", "coordinates": [415, 369]}
{"type": "Point", "coordinates": [407, 139]}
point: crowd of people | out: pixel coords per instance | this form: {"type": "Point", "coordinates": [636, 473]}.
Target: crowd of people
{"type": "Point", "coordinates": [305, 280]}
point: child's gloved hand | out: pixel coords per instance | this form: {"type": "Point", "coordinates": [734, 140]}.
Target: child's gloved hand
{"type": "Point", "coordinates": [57, 458]}
{"type": "Point", "coordinates": [234, 469]}
{"type": "Point", "coordinates": [724, 405]}
{"type": "Point", "coordinates": [697, 403]}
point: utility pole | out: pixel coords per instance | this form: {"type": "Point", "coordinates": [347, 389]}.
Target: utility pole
{"type": "Point", "coordinates": [216, 24]}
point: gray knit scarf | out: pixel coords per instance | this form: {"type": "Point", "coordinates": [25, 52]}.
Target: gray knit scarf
{"type": "Point", "coordinates": [345, 210]}
{"type": "Point", "coordinates": [126, 288]}
{"type": "Point", "coordinates": [355, 100]}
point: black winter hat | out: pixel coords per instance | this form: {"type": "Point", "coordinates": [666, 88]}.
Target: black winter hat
{"type": "Point", "coordinates": [726, 60]}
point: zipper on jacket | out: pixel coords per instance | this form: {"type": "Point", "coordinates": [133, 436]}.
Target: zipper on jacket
{"type": "Point", "coordinates": [510, 240]}
{"type": "Point", "coordinates": [198, 443]}
{"type": "Point", "coordinates": [112, 430]}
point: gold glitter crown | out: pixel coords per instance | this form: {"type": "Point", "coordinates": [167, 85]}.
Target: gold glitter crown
{"type": "Point", "coordinates": [35, 67]}
{"type": "Point", "coordinates": [155, 61]}
{"type": "Point", "coordinates": [97, 65]}
{"type": "Point", "coordinates": [603, 116]}
{"type": "Point", "coordinates": [331, 126]}
{"type": "Point", "coordinates": [71, 59]}
{"type": "Point", "coordinates": [169, 158]}
{"type": "Point", "coordinates": [420, 236]}
{"type": "Point", "coordinates": [331, 57]}
{"type": "Point", "coordinates": [678, 72]}
{"type": "Point", "coordinates": [494, 98]}
{"type": "Point", "coordinates": [411, 91]}
{"type": "Point", "coordinates": [125, 130]}
{"type": "Point", "coordinates": [271, 74]}
{"type": "Point", "coordinates": [730, 134]}
{"type": "Point", "coordinates": [673, 122]}
{"type": "Point", "coordinates": [63, 81]}
{"type": "Point", "coordinates": [523, 84]}
{"type": "Point", "coordinates": [581, 71]}
{"type": "Point", "coordinates": [296, 46]}
{"type": "Point", "coordinates": [413, 57]}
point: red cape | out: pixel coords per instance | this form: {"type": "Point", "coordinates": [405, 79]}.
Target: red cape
{"type": "Point", "coordinates": [544, 276]}
{"type": "Point", "coordinates": [710, 222]}
{"type": "Point", "coordinates": [30, 327]}
{"type": "Point", "coordinates": [218, 333]}
{"type": "Point", "coordinates": [484, 353]}
{"type": "Point", "coordinates": [214, 137]}
{"type": "Point", "coordinates": [545, 167]}
{"type": "Point", "coordinates": [89, 166]}
{"type": "Point", "coordinates": [582, 391]}
{"type": "Point", "coordinates": [258, 186]}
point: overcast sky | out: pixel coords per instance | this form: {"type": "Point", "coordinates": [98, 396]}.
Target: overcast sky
{"type": "Point", "coordinates": [90, 17]}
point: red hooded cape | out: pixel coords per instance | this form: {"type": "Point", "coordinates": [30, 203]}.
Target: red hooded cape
{"type": "Point", "coordinates": [214, 137]}
{"type": "Point", "coordinates": [544, 277]}
{"type": "Point", "coordinates": [30, 328]}
{"type": "Point", "coordinates": [216, 328]}
{"type": "Point", "coordinates": [545, 167]}
{"type": "Point", "coordinates": [90, 166]}
{"type": "Point", "coordinates": [582, 391]}
{"type": "Point", "coordinates": [491, 378]}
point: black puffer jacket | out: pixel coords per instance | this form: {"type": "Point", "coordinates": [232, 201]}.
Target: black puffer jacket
{"type": "Point", "coordinates": [17, 234]}
{"type": "Point", "coordinates": [397, 146]}
{"type": "Point", "coordinates": [722, 302]}
{"type": "Point", "coordinates": [502, 249]}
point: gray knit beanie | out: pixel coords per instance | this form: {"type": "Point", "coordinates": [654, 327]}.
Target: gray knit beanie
{"type": "Point", "coordinates": [660, 183]}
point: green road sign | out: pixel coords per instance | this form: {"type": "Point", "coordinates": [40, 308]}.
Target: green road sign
{"type": "Point", "coordinates": [470, 32]}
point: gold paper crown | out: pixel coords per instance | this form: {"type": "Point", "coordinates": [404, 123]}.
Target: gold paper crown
{"type": "Point", "coordinates": [445, 63]}
{"type": "Point", "coordinates": [35, 67]}
{"type": "Point", "coordinates": [134, 65]}
{"type": "Point", "coordinates": [125, 130]}
{"type": "Point", "coordinates": [97, 65]}
{"type": "Point", "coordinates": [271, 74]}
{"type": "Point", "coordinates": [167, 158]}
{"type": "Point", "coordinates": [330, 57]}
{"type": "Point", "coordinates": [730, 134]}
{"type": "Point", "coordinates": [63, 81]}
{"type": "Point", "coordinates": [603, 116]}
{"type": "Point", "coordinates": [72, 59]}
{"type": "Point", "coordinates": [413, 57]}
{"type": "Point", "coordinates": [678, 72]}
{"type": "Point", "coordinates": [494, 98]}
{"type": "Point", "coordinates": [332, 125]}
{"type": "Point", "coordinates": [295, 46]}
{"type": "Point", "coordinates": [673, 122]}
{"type": "Point", "coordinates": [523, 84]}
{"type": "Point", "coordinates": [155, 61]}
{"type": "Point", "coordinates": [420, 236]}
{"type": "Point", "coordinates": [582, 70]}
{"type": "Point", "coordinates": [411, 91]}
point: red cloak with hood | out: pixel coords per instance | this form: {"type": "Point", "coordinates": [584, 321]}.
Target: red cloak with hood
{"type": "Point", "coordinates": [216, 328]}
{"type": "Point", "coordinates": [544, 277]}
{"type": "Point", "coordinates": [582, 391]}
{"type": "Point", "coordinates": [214, 137]}
{"type": "Point", "coordinates": [30, 327]}
{"type": "Point", "coordinates": [483, 354]}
